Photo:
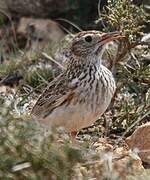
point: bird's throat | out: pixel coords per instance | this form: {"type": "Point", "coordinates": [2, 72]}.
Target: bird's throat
{"type": "Point", "coordinates": [82, 65]}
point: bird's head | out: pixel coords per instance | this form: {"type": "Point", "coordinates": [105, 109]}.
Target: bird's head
{"type": "Point", "coordinates": [92, 43]}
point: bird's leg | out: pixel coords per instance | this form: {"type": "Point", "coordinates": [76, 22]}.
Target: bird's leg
{"type": "Point", "coordinates": [73, 136]}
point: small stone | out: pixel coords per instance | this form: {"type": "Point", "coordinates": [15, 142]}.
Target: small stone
{"type": "Point", "coordinates": [83, 171]}
{"type": "Point", "coordinates": [140, 140]}
{"type": "Point", "coordinates": [125, 164]}
{"type": "Point", "coordinates": [103, 145]}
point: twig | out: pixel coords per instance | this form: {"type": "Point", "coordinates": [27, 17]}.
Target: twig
{"type": "Point", "coordinates": [43, 80]}
{"type": "Point", "coordinates": [99, 13]}
{"type": "Point", "coordinates": [69, 22]}
{"type": "Point", "coordinates": [12, 25]}
{"type": "Point", "coordinates": [53, 60]}
{"type": "Point", "coordinates": [65, 29]}
{"type": "Point", "coordinates": [135, 123]}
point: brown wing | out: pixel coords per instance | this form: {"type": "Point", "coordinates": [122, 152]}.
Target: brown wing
{"type": "Point", "coordinates": [57, 93]}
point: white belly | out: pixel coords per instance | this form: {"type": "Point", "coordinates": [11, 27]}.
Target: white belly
{"type": "Point", "coordinates": [76, 116]}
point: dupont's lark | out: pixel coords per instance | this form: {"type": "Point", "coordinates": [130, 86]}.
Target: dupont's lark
{"type": "Point", "coordinates": [82, 93]}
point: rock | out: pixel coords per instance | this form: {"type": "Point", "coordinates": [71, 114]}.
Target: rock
{"type": "Point", "coordinates": [36, 8]}
{"type": "Point", "coordinates": [39, 32]}
{"type": "Point", "coordinates": [121, 162]}
{"type": "Point", "coordinates": [103, 145]}
{"type": "Point", "coordinates": [140, 140]}
{"type": "Point", "coordinates": [146, 38]}
{"type": "Point", "coordinates": [126, 164]}
{"type": "Point", "coordinates": [11, 79]}
{"type": "Point", "coordinates": [4, 12]}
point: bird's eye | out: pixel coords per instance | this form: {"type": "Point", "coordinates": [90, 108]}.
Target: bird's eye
{"type": "Point", "coordinates": [88, 38]}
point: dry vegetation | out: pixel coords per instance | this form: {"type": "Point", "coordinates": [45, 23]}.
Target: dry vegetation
{"type": "Point", "coordinates": [28, 152]}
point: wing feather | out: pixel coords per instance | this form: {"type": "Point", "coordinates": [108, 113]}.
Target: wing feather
{"type": "Point", "coordinates": [57, 93]}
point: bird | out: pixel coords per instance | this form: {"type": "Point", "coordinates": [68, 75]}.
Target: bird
{"type": "Point", "coordinates": [83, 91]}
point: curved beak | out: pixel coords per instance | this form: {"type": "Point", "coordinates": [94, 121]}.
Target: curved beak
{"type": "Point", "coordinates": [105, 38]}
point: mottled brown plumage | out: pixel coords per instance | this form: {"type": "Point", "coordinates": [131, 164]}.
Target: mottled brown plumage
{"type": "Point", "coordinates": [83, 91]}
